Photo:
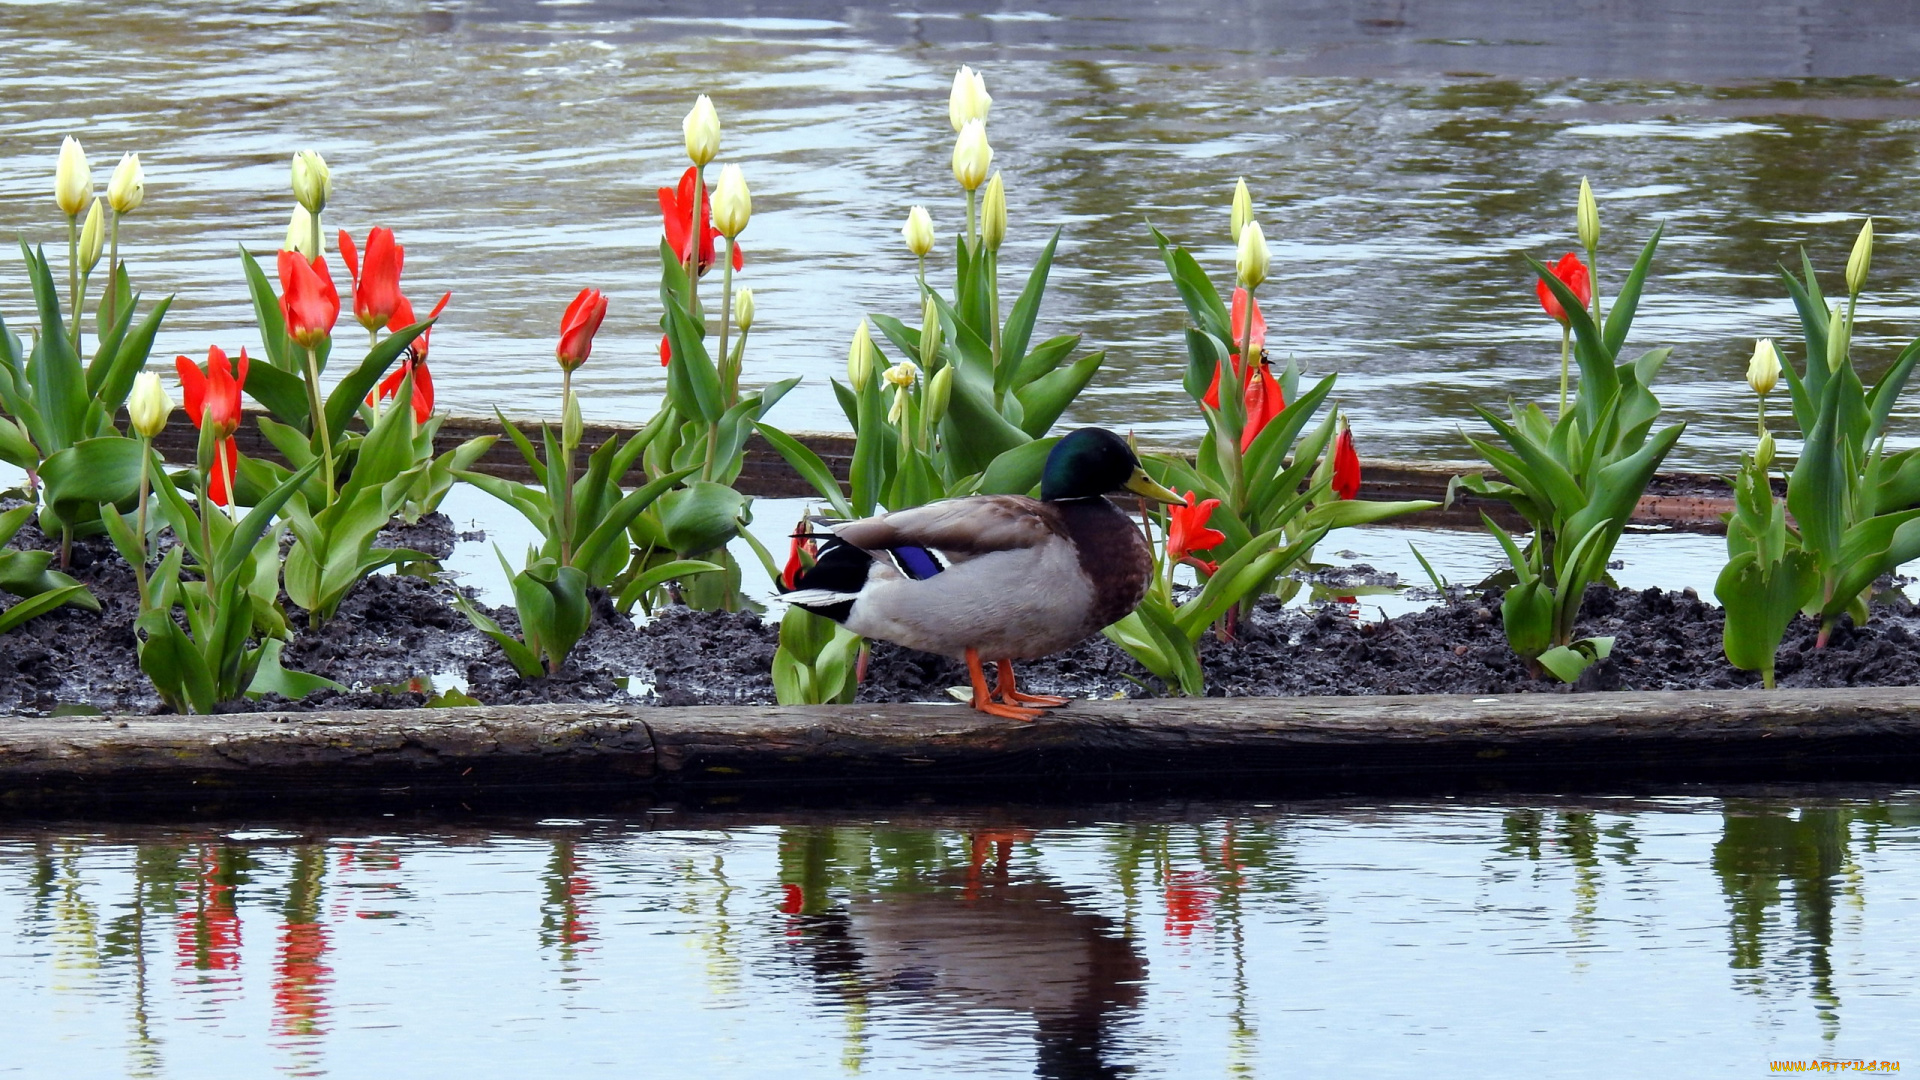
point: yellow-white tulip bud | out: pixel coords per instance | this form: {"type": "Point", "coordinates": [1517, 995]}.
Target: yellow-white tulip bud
{"type": "Point", "coordinates": [1242, 207]}
{"type": "Point", "coordinates": [1252, 259]}
{"type": "Point", "coordinates": [939, 393]}
{"type": "Point", "coordinates": [702, 129]}
{"type": "Point", "coordinates": [72, 178]}
{"type": "Point", "coordinates": [918, 231]}
{"type": "Point", "coordinates": [93, 238]}
{"type": "Point", "coordinates": [128, 188]}
{"type": "Point", "coordinates": [1860, 260]}
{"type": "Point", "coordinates": [968, 100]}
{"type": "Point", "coordinates": [993, 214]}
{"type": "Point", "coordinates": [1763, 371]}
{"type": "Point", "coordinates": [860, 358]}
{"type": "Point", "coordinates": [743, 309]}
{"type": "Point", "coordinates": [148, 405]}
{"type": "Point", "coordinates": [971, 155]}
{"type": "Point", "coordinates": [1839, 336]}
{"type": "Point", "coordinates": [300, 233]}
{"type": "Point", "coordinates": [732, 204]}
{"type": "Point", "coordinates": [312, 181]}
{"type": "Point", "coordinates": [1587, 218]}
{"type": "Point", "coordinates": [930, 332]}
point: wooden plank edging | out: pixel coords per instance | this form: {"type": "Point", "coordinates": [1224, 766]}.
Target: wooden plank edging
{"type": "Point", "coordinates": [1739, 734]}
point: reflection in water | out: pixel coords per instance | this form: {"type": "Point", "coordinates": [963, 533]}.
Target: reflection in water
{"type": "Point", "coordinates": [1762, 848]}
{"type": "Point", "coordinates": [974, 942]}
{"type": "Point", "coordinates": [1229, 940]}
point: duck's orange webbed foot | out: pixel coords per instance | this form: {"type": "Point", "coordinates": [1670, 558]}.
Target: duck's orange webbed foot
{"type": "Point", "coordinates": [983, 701]}
{"type": "Point", "coordinates": [1011, 694]}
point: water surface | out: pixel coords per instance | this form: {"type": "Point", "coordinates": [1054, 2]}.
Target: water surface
{"type": "Point", "coordinates": [1453, 937]}
{"type": "Point", "coordinates": [1404, 158]}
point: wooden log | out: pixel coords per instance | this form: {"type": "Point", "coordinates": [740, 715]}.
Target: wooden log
{"type": "Point", "coordinates": [1685, 502]}
{"type": "Point", "coordinates": [1282, 743]}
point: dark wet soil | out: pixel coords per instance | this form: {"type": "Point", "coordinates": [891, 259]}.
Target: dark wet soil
{"type": "Point", "coordinates": [396, 633]}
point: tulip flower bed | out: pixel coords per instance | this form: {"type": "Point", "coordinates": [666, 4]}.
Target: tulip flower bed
{"type": "Point", "coordinates": [237, 581]}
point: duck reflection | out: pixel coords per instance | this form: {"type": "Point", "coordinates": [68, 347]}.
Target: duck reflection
{"type": "Point", "coordinates": [960, 943]}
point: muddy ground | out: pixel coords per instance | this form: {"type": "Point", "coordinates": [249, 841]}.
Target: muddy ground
{"type": "Point", "coordinates": [395, 629]}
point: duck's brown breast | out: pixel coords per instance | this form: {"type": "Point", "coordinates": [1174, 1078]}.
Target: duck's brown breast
{"type": "Point", "coordinates": [1113, 555]}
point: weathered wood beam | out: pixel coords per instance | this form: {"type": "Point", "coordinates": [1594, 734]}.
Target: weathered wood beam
{"type": "Point", "coordinates": [1357, 741]}
{"type": "Point", "coordinates": [1688, 502]}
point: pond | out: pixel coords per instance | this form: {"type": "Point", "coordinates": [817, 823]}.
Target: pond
{"type": "Point", "coordinates": [1697, 934]}
{"type": "Point", "coordinates": [1404, 158]}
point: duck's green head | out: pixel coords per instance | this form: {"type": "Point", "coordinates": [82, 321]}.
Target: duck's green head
{"type": "Point", "coordinates": [1093, 461]}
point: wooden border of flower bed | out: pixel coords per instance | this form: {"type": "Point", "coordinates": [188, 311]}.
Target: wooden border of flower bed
{"type": "Point", "coordinates": [1685, 502]}
{"type": "Point", "coordinates": [1281, 745]}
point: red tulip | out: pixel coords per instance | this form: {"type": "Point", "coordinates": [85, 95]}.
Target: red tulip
{"type": "Point", "coordinates": [1238, 321]}
{"type": "Point", "coordinates": [801, 554]}
{"type": "Point", "coordinates": [1187, 532]}
{"type": "Point", "coordinates": [414, 360]}
{"type": "Point", "coordinates": [666, 351]}
{"type": "Point", "coordinates": [308, 301]}
{"type": "Point", "coordinates": [376, 294]}
{"type": "Point", "coordinates": [676, 213]}
{"type": "Point", "coordinates": [1572, 273]}
{"type": "Point", "coordinates": [213, 401]}
{"type": "Point", "coordinates": [1346, 465]}
{"type": "Point", "coordinates": [578, 326]}
{"type": "Point", "coordinates": [1264, 402]}
{"type": "Point", "coordinates": [793, 899]}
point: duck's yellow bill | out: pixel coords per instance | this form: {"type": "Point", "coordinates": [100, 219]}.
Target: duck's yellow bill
{"type": "Point", "coordinates": [1143, 485]}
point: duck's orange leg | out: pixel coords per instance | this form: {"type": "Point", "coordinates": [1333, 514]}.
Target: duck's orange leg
{"type": "Point", "coordinates": [1011, 694]}
{"type": "Point", "coordinates": [983, 700]}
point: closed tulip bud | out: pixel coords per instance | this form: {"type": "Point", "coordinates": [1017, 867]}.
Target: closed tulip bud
{"type": "Point", "coordinates": [860, 358]}
{"type": "Point", "coordinates": [300, 233]}
{"type": "Point", "coordinates": [1242, 207]}
{"type": "Point", "coordinates": [312, 182]}
{"type": "Point", "coordinates": [1253, 260]}
{"type": "Point", "coordinates": [572, 427]}
{"type": "Point", "coordinates": [1860, 260]}
{"type": "Point", "coordinates": [93, 238]}
{"type": "Point", "coordinates": [918, 231]}
{"type": "Point", "coordinates": [971, 155]}
{"type": "Point", "coordinates": [128, 188]}
{"type": "Point", "coordinates": [743, 309]}
{"type": "Point", "coordinates": [930, 333]}
{"type": "Point", "coordinates": [1839, 333]}
{"type": "Point", "coordinates": [148, 405]}
{"type": "Point", "coordinates": [1587, 218]}
{"type": "Point", "coordinates": [1763, 454]}
{"type": "Point", "coordinates": [993, 214]}
{"type": "Point", "coordinates": [969, 100]}
{"type": "Point", "coordinates": [1763, 371]}
{"type": "Point", "coordinates": [72, 178]}
{"type": "Point", "coordinates": [939, 393]}
{"type": "Point", "coordinates": [702, 129]}
{"type": "Point", "coordinates": [732, 203]}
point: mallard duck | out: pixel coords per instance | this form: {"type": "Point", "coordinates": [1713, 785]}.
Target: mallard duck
{"type": "Point", "coordinates": [1000, 577]}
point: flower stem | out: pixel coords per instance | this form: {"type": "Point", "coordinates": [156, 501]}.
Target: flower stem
{"type": "Point", "coordinates": [1593, 278]}
{"type": "Point", "coordinates": [972, 223]}
{"type": "Point", "coordinates": [319, 410]}
{"type": "Point", "coordinates": [729, 378]}
{"type": "Point", "coordinates": [313, 234]}
{"type": "Point", "coordinates": [110, 296]}
{"type": "Point", "coordinates": [140, 567]}
{"type": "Point", "coordinates": [566, 469]}
{"type": "Point", "coordinates": [1566, 348]}
{"type": "Point", "coordinates": [73, 282]}
{"type": "Point", "coordinates": [693, 242]}
{"type": "Point", "coordinates": [993, 296]}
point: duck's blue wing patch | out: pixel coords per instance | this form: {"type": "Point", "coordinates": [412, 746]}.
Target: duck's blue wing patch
{"type": "Point", "coordinates": [916, 562]}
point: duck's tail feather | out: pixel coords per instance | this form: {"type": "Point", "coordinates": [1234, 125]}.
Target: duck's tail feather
{"type": "Point", "coordinates": [830, 586]}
